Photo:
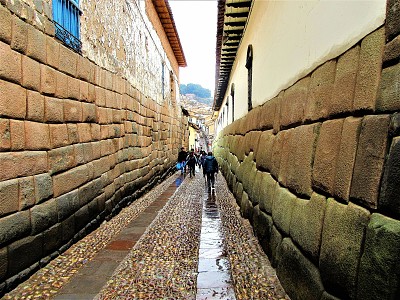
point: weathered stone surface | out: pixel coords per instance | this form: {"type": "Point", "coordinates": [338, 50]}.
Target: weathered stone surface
{"type": "Point", "coordinates": [369, 161]}
{"type": "Point", "coordinates": [380, 263]}
{"type": "Point", "coordinates": [282, 209]}
{"type": "Point", "coordinates": [326, 155]}
{"type": "Point", "coordinates": [327, 296]}
{"type": "Point", "coordinates": [52, 239]}
{"type": "Point", "coordinates": [294, 102]}
{"type": "Point", "coordinates": [68, 229]}
{"type": "Point", "coordinates": [369, 70]}
{"type": "Point", "coordinates": [12, 100]}
{"type": "Point", "coordinates": [10, 64]}
{"type": "Point", "coordinates": [26, 194]}
{"type": "Point", "coordinates": [286, 155]}
{"type": "Point", "coordinates": [389, 198]}
{"type": "Point", "coordinates": [346, 157]}
{"type": "Point", "coordinates": [262, 224]}
{"type": "Point", "coordinates": [19, 35]}
{"type": "Point", "coordinates": [388, 98]}
{"type": "Point", "coordinates": [266, 192]}
{"type": "Point", "coordinates": [246, 208]}
{"type": "Point", "coordinates": [267, 115]}
{"type": "Point", "coordinates": [302, 158]}
{"type": "Point", "coordinates": [254, 188]}
{"type": "Point", "coordinates": [5, 24]}
{"type": "Point", "coordinates": [3, 264]}
{"type": "Point", "coordinates": [24, 163]}
{"type": "Point", "coordinates": [345, 82]}
{"type": "Point", "coordinates": [44, 216]}
{"type": "Point", "coordinates": [276, 103]}
{"type": "Point", "coordinates": [8, 196]}
{"type": "Point", "coordinates": [306, 225]}
{"type": "Point", "coordinates": [90, 191]}
{"type": "Point", "coordinates": [342, 239]}
{"type": "Point", "coordinates": [43, 187]}
{"type": "Point", "coordinates": [67, 204]}
{"type": "Point", "coordinates": [82, 218]}
{"type": "Point", "coordinates": [251, 141]}
{"type": "Point", "coordinates": [392, 25]}
{"type": "Point", "coordinates": [276, 240]}
{"type": "Point", "coordinates": [320, 91]}
{"type": "Point", "coordinates": [70, 180]}
{"type": "Point", "coordinates": [24, 253]}
{"type": "Point", "coordinates": [14, 227]}
{"type": "Point", "coordinates": [392, 50]}
{"type": "Point", "coordinates": [264, 152]}
{"type": "Point", "coordinates": [299, 277]}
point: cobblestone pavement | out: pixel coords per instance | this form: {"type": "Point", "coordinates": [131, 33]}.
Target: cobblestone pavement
{"type": "Point", "coordinates": [163, 264]}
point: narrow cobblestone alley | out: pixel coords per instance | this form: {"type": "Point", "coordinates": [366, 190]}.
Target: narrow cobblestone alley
{"type": "Point", "coordinates": [179, 241]}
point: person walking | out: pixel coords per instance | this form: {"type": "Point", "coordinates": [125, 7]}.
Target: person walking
{"type": "Point", "coordinates": [210, 167]}
{"type": "Point", "coordinates": [191, 163]}
{"type": "Point", "coordinates": [182, 159]}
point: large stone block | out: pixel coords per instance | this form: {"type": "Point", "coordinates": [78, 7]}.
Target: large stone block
{"type": "Point", "coordinates": [36, 46]}
{"type": "Point", "coordinates": [369, 161]}
{"type": "Point", "coordinates": [26, 192]}
{"type": "Point", "coordinates": [14, 227]}
{"type": "Point", "coordinates": [43, 187]}
{"type": "Point", "coordinates": [17, 130]}
{"type": "Point", "coordinates": [380, 263]}
{"type": "Point", "coordinates": [254, 186]}
{"type": "Point", "coordinates": [89, 191]}
{"type": "Point", "coordinates": [3, 262]}
{"type": "Point", "coordinates": [52, 239]}
{"type": "Point", "coordinates": [326, 155]}
{"type": "Point", "coordinates": [369, 70]}
{"type": "Point", "coordinates": [262, 224]}
{"type": "Point", "coordinates": [389, 198]}
{"type": "Point", "coordinates": [19, 164]}
{"type": "Point", "coordinates": [299, 277]}
{"type": "Point", "coordinates": [5, 24]}
{"type": "Point", "coordinates": [246, 208]}
{"type": "Point", "coordinates": [294, 102]}
{"type": "Point", "coordinates": [5, 134]}
{"type": "Point", "coordinates": [301, 158]}
{"type": "Point", "coordinates": [24, 253]}
{"type": "Point", "coordinates": [12, 100]}
{"type": "Point", "coordinates": [251, 141]}
{"type": "Point", "coordinates": [392, 51]}
{"type": "Point", "coordinates": [276, 154]}
{"type": "Point", "coordinates": [264, 152]}
{"type": "Point", "coordinates": [342, 239]}
{"type": "Point", "coordinates": [266, 192]}
{"type": "Point", "coordinates": [19, 40]}
{"type": "Point", "coordinates": [320, 91]}
{"type": "Point", "coordinates": [392, 25]}
{"type": "Point", "coordinates": [286, 155]}
{"type": "Point", "coordinates": [67, 205]}
{"type": "Point", "coordinates": [31, 76]}
{"type": "Point", "coordinates": [346, 157]}
{"type": "Point", "coordinates": [345, 82]}
{"type": "Point", "coordinates": [10, 64]}
{"type": "Point", "coordinates": [67, 181]}
{"type": "Point", "coordinates": [43, 216]}
{"type": "Point", "coordinates": [277, 103]}
{"type": "Point", "coordinates": [306, 224]}
{"type": "Point", "coordinates": [54, 110]}
{"type": "Point", "coordinates": [276, 240]}
{"type": "Point", "coordinates": [37, 136]}
{"type": "Point", "coordinates": [68, 61]}
{"type": "Point", "coordinates": [282, 209]}
{"type": "Point", "coordinates": [388, 98]}
{"type": "Point", "coordinates": [8, 196]}
{"type": "Point", "coordinates": [267, 116]}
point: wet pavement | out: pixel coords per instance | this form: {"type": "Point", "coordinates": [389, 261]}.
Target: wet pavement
{"type": "Point", "coordinates": [179, 241]}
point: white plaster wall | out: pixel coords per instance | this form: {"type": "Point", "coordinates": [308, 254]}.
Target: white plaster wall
{"type": "Point", "coordinates": [291, 38]}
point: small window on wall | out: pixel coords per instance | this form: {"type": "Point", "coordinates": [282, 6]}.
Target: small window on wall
{"type": "Point", "coordinates": [249, 66]}
{"type": "Point", "coordinates": [172, 87]}
{"type": "Point", "coordinates": [66, 14]}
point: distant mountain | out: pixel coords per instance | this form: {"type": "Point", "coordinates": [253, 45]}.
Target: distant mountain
{"type": "Point", "coordinates": [196, 89]}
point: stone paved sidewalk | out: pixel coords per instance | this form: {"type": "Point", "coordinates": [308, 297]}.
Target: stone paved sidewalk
{"type": "Point", "coordinates": [162, 261]}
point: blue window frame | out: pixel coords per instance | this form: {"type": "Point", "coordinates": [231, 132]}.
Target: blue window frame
{"type": "Point", "coordinates": [66, 15]}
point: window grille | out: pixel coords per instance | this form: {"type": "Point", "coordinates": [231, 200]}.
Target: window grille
{"type": "Point", "coordinates": [66, 19]}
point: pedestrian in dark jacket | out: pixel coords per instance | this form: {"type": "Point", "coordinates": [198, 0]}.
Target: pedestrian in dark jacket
{"type": "Point", "coordinates": [210, 167]}
{"type": "Point", "coordinates": [191, 163]}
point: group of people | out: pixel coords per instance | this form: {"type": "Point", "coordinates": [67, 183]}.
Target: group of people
{"type": "Point", "coordinates": [204, 160]}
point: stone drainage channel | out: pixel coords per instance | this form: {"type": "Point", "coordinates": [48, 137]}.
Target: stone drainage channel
{"type": "Point", "coordinates": [214, 275]}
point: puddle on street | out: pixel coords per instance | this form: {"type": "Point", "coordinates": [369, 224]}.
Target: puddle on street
{"type": "Point", "coordinates": [214, 275]}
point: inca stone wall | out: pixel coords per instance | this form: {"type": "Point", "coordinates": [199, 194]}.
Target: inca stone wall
{"type": "Point", "coordinates": [78, 139]}
{"type": "Point", "coordinates": [316, 171]}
